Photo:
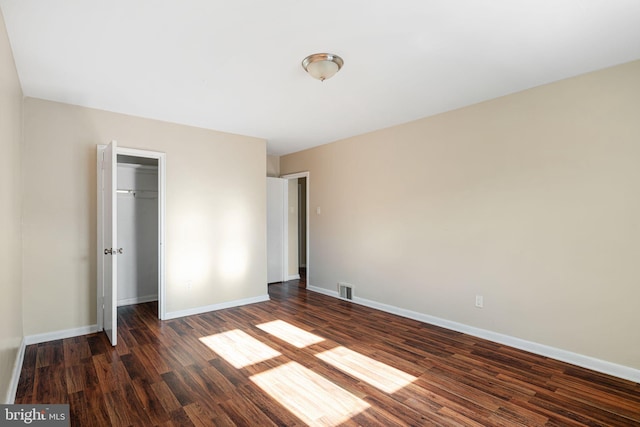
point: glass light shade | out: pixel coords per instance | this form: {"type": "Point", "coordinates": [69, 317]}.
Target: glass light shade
{"type": "Point", "coordinates": [322, 70]}
{"type": "Point", "coordinates": [322, 65]}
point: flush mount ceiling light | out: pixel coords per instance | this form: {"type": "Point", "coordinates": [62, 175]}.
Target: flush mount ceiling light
{"type": "Point", "coordinates": [322, 66]}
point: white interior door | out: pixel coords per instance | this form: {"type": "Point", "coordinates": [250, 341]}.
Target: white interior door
{"type": "Point", "coordinates": [275, 229]}
{"type": "Point", "coordinates": [110, 239]}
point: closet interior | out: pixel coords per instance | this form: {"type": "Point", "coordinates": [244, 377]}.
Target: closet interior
{"type": "Point", "coordinates": [137, 228]}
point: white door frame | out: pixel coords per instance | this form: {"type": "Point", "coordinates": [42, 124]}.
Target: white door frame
{"type": "Point", "coordinates": [286, 228]}
{"type": "Point", "coordinates": [161, 157]}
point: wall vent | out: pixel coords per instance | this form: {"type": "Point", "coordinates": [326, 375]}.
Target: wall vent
{"type": "Point", "coordinates": [345, 290]}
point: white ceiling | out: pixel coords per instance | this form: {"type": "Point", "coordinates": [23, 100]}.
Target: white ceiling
{"type": "Point", "coordinates": [234, 66]}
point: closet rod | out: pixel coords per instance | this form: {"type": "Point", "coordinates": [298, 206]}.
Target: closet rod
{"type": "Point", "coordinates": [135, 191]}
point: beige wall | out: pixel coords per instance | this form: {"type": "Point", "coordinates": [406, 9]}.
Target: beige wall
{"type": "Point", "coordinates": [10, 243]}
{"type": "Point", "coordinates": [215, 212]}
{"type": "Point", "coordinates": [292, 224]}
{"type": "Point", "coordinates": [273, 166]}
{"type": "Point", "coordinates": [531, 200]}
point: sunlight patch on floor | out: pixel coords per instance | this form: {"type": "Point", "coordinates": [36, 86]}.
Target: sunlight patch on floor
{"type": "Point", "coordinates": [289, 333]}
{"type": "Point", "coordinates": [380, 375]}
{"type": "Point", "coordinates": [239, 348]}
{"type": "Point", "coordinates": [309, 396]}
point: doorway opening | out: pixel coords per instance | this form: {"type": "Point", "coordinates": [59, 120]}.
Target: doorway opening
{"type": "Point", "coordinates": [137, 229]}
{"type": "Point", "coordinates": [131, 212]}
{"type": "Point", "coordinates": [296, 241]}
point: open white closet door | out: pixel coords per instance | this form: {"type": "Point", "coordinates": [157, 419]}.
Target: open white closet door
{"type": "Point", "coordinates": [110, 239]}
{"type": "Point", "coordinates": [275, 229]}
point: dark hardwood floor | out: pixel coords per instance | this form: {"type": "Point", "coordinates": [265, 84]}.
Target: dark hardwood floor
{"type": "Point", "coordinates": [302, 283]}
{"type": "Point", "coordinates": [305, 358]}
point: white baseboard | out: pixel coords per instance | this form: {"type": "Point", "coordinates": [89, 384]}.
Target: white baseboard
{"type": "Point", "coordinates": [58, 335]}
{"type": "Point", "coordinates": [214, 307]}
{"type": "Point", "coordinates": [15, 374]}
{"type": "Point", "coordinates": [292, 277]}
{"type": "Point", "coordinates": [137, 300]}
{"type": "Point", "coordinates": [588, 362]}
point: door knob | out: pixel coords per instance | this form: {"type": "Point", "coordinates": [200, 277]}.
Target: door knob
{"type": "Point", "coordinates": [112, 251]}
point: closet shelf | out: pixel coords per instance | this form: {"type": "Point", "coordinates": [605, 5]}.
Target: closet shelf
{"type": "Point", "coordinates": [143, 194]}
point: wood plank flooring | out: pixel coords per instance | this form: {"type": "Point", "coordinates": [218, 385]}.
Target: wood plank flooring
{"type": "Point", "coordinates": [322, 361]}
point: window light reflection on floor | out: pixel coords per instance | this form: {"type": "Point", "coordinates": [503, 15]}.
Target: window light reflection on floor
{"type": "Point", "coordinates": [312, 398]}
{"type": "Point", "coordinates": [380, 375]}
{"type": "Point", "coordinates": [289, 333]}
{"type": "Point", "coordinates": [239, 348]}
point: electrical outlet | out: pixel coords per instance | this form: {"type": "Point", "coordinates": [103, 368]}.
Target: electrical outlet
{"type": "Point", "coordinates": [479, 301]}
{"type": "Point", "coordinates": [189, 284]}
